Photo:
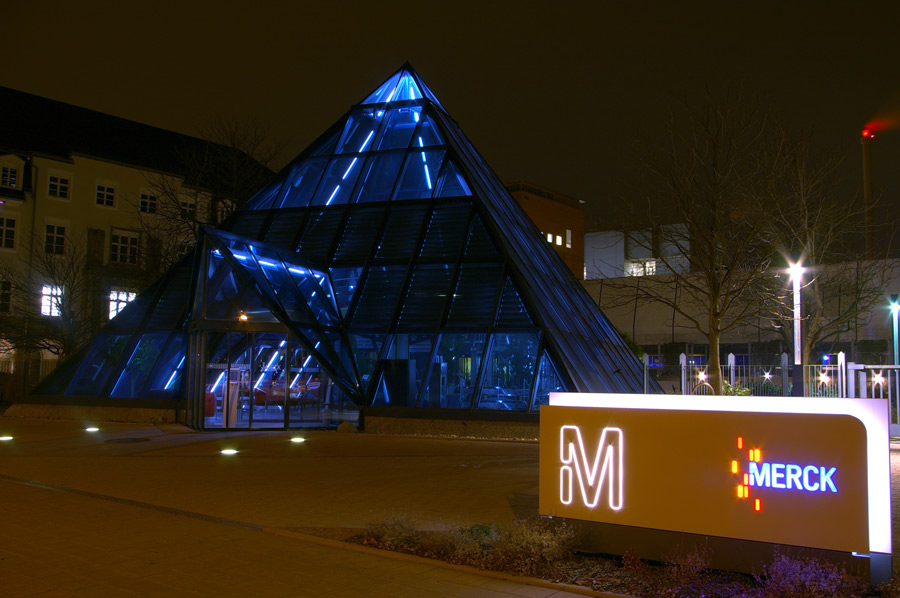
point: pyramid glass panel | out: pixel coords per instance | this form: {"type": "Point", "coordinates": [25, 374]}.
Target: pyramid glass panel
{"type": "Point", "coordinates": [458, 360]}
{"type": "Point", "coordinates": [98, 364]}
{"type": "Point", "coordinates": [345, 282]}
{"type": "Point", "coordinates": [479, 245]}
{"type": "Point", "coordinates": [337, 185]}
{"type": "Point", "coordinates": [474, 303]}
{"type": "Point", "coordinates": [451, 182]}
{"type": "Point", "coordinates": [427, 134]}
{"type": "Point", "coordinates": [386, 265]}
{"type": "Point", "coordinates": [426, 297]}
{"type": "Point", "coordinates": [165, 380]}
{"type": "Point", "coordinates": [417, 180]}
{"type": "Point", "coordinates": [359, 236]}
{"type": "Point", "coordinates": [446, 232]}
{"type": "Point", "coordinates": [509, 371]}
{"type": "Point", "coordinates": [401, 233]}
{"type": "Point", "coordinates": [301, 184]}
{"type": "Point", "coordinates": [140, 364]}
{"type": "Point", "coordinates": [379, 175]}
{"type": "Point", "coordinates": [361, 127]}
{"type": "Point", "coordinates": [400, 125]}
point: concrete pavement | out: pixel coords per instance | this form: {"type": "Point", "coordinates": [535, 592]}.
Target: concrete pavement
{"type": "Point", "coordinates": [135, 510]}
{"type": "Point", "coordinates": [141, 511]}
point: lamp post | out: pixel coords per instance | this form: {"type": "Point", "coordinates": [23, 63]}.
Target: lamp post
{"type": "Point", "coordinates": [895, 309]}
{"type": "Point", "coordinates": [796, 272]}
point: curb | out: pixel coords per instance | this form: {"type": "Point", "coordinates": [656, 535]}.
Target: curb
{"type": "Point", "coordinates": [411, 558]}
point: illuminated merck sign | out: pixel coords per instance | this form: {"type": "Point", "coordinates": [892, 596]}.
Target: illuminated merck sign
{"type": "Point", "coordinates": [591, 469]}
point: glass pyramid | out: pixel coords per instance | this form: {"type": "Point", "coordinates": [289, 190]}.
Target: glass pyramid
{"type": "Point", "coordinates": [390, 257]}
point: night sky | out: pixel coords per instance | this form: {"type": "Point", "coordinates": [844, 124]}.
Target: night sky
{"type": "Point", "coordinates": [556, 93]}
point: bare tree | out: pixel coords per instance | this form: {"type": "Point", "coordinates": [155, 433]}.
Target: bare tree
{"type": "Point", "coordinates": [808, 221]}
{"type": "Point", "coordinates": [52, 298]}
{"type": "Point", "coordinates": [216, 178]}
{"type": "Point", "coordinates": [710, 248]}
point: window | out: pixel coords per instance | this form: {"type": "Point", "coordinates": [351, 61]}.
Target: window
{"type": "Point", "coordinates": [148, 203]}
{"type": "Point", "coordinates": [106, 196]}
{"type": "Point", "coordinates": [59, 187]}
{"type": "Point", "coordinates": [123, 248]}
{"type": "Point", "coordinates": [8, 176]}
{"type": "Point", "coordinates": [51, 297]}
{"type": "Point", "coordinates": [558, 240]}
{"type": "Point", "coordinates": [568, 239]}
{"type": "Point", "coordinates": [188, 208]}
{"type": "Point", "coordinates": [645, 268]}
{"type": "Point", "coordinates": [549, 237]}
{"type": "Point", "coordinates": [55, 240]}
{"type": "Point", "coordinates": [5, 295]}
{"type": "Point", "coordinates": [7, 233]}
{"type": "Point", "coordinates": [118, 300]}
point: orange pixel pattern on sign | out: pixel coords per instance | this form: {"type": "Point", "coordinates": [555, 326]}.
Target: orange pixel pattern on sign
{"type": "Point", "coordinates": [743, 488]}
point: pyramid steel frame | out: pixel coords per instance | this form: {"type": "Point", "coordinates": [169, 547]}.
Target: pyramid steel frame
{"type": "Point", "coordinates": [386, 262]}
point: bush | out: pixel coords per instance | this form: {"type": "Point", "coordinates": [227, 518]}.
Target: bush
{"type": "Point", "coordinates": [523, 546]}
{"type": "Point", "coordinates": [787, 577]}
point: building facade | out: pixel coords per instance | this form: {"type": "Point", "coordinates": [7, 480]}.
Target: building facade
{"type": "Point", "coordinates": [87, 202]}
{"type": "Point", "coordinates": [558, 217]}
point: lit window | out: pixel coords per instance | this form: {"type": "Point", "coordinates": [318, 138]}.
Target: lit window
{"type": "Point", "coordinates": [549, 237]}
{"type": "Point", "coordinates": [123, 248]}
{"type": "Point", "coordinates": [118, 300]}
{"type": "Point", "coordinates": [51, 297]}
{"type": "Point", "coordinates": [8, 176]}
{"type": "Point", "coordinates": [5, 295]}
{"type": "Point", "coordinates": [55, 239]}
{"type": "Point", "coordinates": [568, 239]}
{"type": "Point", "coordinates": [558, 240]}
{"type": "Point", "coordinates": [148, 203]}
{"type": "Point", "coordinates": [106, 196]}
{"type": "Point", "coordinates": [58, 187]}
{"type": "Point", "coordinates": [647, 268]}
{"type": "Point", "coordinates": [7, 233]}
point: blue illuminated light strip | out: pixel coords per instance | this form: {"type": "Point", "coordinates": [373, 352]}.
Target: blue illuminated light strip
{"type": "Point", "coordinates": [174, 373]}
{"type": "Point", "coordinates": [425, 164]}
{"type": "Point", "coordinates": [268, 366]}
{"type": "Point", "coordinates": [218, 381]}
{"type": "Point", "coordinates": [303, 366]}
{"type": "Point", "coordinates": [352, 164]}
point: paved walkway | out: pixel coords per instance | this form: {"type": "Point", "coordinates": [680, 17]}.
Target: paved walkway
{"type": "Point", "coordinates": [111, 514]}
{"type": "Point", "coordinates": [141, 511]}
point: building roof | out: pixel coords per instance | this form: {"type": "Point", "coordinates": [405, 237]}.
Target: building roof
{"type": "Point", "coordinates": [34, 125]}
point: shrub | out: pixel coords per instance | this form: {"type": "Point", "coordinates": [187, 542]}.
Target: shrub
{"type": "Point", "coordinates": [787, 577]}
{"type": "Point", "coordinates": [393, 534]}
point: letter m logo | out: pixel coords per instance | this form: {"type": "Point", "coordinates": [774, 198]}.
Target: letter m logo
{"type": "Point", "coordinates": [590, 474]}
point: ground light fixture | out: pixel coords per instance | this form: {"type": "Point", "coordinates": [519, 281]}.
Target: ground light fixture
{"type": "Point", "coordinates": [229, 451]}
{"type": "Point", "coordinates": [298, 439]}
{"type": "Point", "coordinates": [5, 438]}
{"type": "Point", "coordinates": [92, 429]}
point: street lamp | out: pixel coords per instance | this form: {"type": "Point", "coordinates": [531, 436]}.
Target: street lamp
{"type": "Point", "coordinates": [796, 272]}
{"type": "Point", "coordinates": [895, 309]}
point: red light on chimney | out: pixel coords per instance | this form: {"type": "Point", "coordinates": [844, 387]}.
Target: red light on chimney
{"type": "Point", "coordinates": [866, 133]}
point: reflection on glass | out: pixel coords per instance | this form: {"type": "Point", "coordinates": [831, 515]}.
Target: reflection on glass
{"type": "Point", "coordinates": [509, 371]}
{"type": "Point", "coordinates": [451, 381]}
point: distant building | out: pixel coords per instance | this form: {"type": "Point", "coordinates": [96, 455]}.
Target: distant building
{"type": "Point", "coordinates": [79, 191]}
{"type": "Point", "coordinates": [560, 219]}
